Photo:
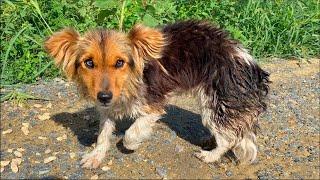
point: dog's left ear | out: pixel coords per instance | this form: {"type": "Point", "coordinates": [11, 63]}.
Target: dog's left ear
{"type": "Point", "coordinates": [147, 42]}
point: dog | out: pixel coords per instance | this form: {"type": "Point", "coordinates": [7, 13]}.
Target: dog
{"type": "Point", "coordinates": [133, 74]}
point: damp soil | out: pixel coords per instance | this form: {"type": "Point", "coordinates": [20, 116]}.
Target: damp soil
{"type": "Point", "coordinates": [65, 127]}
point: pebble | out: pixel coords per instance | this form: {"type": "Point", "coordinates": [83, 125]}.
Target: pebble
{"type": "Point", "coordinates": [25, 130]}
{"type": "Point", "coordinates": [42, 138]}
{"type": "Point", "coordinates": [105, 168]}
{"type": "Point", "coordinates": [94, 177]}
{"type": "Point", "coordinates": [49, 105]}
{"type": "Point", "coordinates": [44, 116]}
{"type": "Point", "coordinates": [228, 173]}
{"type": "Point", "coordinates": [44, 172]}
{"type": "Point", "coordinates": [72, 155]}
{"type": "Point", "coordinates": [37, 105]}
{"type": "Point", "coordinates": [4, 163]}
{"type": "Point", "coordinates": [2, 169]}
{"type": "Point", "coordinates": [49, 159]}
{"type": "Point", "coordinates": [8, 131]}
{"type": "Point", "coordinates": [10, 150]}
{"type": "Point", "coordinates": [178, 148]}
{"type": "Point", "coordinates": [47, 151]}
{"type": "Point", "coordinates": [20, 149]}
{"type": "Point", "coordinates": [161, 171]}
{"type": "Point", "coordinates": [25, 124]}
{"type": "Point", "coordinates": [17, 153]}
{"type": "Point", "coordinates": [63, 137]}
{"type": "Point", "coordinates": [110, 162]}
{"type": "Point", "coordinates": [14, 165]}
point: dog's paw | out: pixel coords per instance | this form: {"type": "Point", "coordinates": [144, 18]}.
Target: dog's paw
{"type": "Point", "coordinates": [92, 159]}
{"type": "Point", "coordinates": [131, 145]}
{"type": "Point", "coordinates": [207, 156]}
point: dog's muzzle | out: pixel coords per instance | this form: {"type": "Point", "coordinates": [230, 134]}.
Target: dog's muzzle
{"type": "Point", "coordinates": [104, 97]}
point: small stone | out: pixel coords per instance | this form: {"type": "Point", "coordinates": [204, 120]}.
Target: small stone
{"type": "Point", "coordinates": [25, 130]}
{"type": "Point", "coordinates": [178, 148]}
{"type": "Point", "coordinates": [20, 149]}
{"type": "Point", "coordinates": [44, 172]}
{"type": "Point", "coordinates": [72, 155]}
{"type": "Point", "coordinates": [17, 161]}
{"type": "Point", "coordinates": [25, 124]}
{"type": "Point", "coordinates": [14, 166]}
{"type": "Point", "coordinates": [17, 153]}
{"type": "Point", "coordinates": [42, 138]}
{"type": "Point", "coordinates": [94, 177]}
{"type": "Point", "coordinates": [49, 159]}
{"type": "Point", "coordinates": [49, 105]}
{"type": "Point", "coordinates": [44, 116]}
{"type": "Point", "coordinates": [110, 162]}
{"type": "Point", "coordinates": [38, 154]}
{"type": "Point", "coordinates": [7, 131]}
{"type": "Point", "coordinates": [62, 137]}
{"type": "Point", "coordinates": [47, 151]}
{"type": "Point", "coordinates": [161, 171]}
{"type": "Point", "coordinates": [4, 163]}
{"type": "Point", "coordinates": [228, 173]}
{"type": "Point", "coordinates": [37, 105]}
{"type": "Point", "coordinates": [105, 168]}
{"type": "Point", "coordinates": [10, 150]}
{"type": "Point", "coordinates": [36, 162]}
{"type": "Point", "coordinates": [2, 169]}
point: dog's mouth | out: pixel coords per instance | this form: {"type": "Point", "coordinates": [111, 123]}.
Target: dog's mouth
{"type": "Point", "coordinates": [104, 105]}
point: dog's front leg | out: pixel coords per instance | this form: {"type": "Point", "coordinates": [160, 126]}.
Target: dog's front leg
{"type": "Point", "coordinates": [139, 131]}
{"type": "Point", "coordinates": [95, 157]}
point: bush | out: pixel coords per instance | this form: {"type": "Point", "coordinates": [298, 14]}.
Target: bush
{"type": "Point", "coordinates": [268, 28]}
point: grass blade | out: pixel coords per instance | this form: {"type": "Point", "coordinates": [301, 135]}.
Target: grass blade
{"type": "Point", "coordinates": [4, 63]}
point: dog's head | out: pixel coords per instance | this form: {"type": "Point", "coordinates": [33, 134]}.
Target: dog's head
{"type": "Point", "coordinates": [105, 64]}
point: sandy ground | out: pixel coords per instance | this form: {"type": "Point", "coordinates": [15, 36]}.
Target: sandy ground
{"type": "Point", "coordinates": [48, 138]}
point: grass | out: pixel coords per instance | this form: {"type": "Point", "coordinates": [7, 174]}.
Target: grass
{"type": "Point", "coordinates": [275, 28]}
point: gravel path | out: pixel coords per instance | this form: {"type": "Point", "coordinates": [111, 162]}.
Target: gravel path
{"type": "Point", "coordinates": [46, 139]}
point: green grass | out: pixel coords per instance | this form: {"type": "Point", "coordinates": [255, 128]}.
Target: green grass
{"type": "Point", "coordinates": [279, 28]}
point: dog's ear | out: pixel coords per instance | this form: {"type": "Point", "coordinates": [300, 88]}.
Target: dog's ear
{"type": "Point", "coordinates": [147, 42]}
{"type": "Point", "coordinates": [62, 46]}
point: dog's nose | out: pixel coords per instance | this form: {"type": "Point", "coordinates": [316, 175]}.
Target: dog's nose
{"type": "Point", "coordinates": [104, 97]}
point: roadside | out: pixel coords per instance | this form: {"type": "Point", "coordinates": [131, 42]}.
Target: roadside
{"type": "Point", "coordinates": [48, 138]}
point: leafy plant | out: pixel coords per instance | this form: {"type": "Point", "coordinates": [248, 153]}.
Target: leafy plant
{"type": "Point", "coordinates": [268, 28]}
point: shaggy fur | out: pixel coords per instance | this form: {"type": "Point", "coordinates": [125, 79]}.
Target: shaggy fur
{"type": "Point", "coordinates": [190, 56]}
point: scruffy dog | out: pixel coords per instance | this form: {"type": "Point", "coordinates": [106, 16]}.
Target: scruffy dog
{"type": "Point", "coordinates": [134, 74]}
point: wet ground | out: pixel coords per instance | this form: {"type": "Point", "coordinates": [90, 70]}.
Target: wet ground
{"type": "Point", "coordinates": [46, 139]}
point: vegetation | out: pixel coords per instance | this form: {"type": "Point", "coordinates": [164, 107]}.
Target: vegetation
{"type": "Point", "coordinates": [278, 28]}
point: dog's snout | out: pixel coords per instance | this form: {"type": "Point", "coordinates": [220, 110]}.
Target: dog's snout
{"type": "Point", "coordinates": [104, 97]}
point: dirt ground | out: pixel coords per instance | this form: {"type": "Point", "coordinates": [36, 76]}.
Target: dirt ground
{"type": "Point", "coordinates": [46, 139]}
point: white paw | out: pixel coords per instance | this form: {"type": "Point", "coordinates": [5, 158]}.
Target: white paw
{"type": "Point", "coordinates": [130, 144]}
{"type": "Point", "coordinates": [207, 156]}
{"type": "Point", "coordinates": [92, 159]}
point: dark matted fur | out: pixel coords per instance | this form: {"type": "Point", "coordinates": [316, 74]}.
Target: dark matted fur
{"type": "Point", "coordinates": [198, 53]}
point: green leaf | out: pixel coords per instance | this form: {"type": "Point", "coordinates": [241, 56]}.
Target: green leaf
{"type": "Point", "coordinates": [107, 4]}
{"type": "Point", "coordinates": [148, 20]}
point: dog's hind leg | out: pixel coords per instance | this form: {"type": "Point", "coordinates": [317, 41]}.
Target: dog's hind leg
{"type": "Point", "coordinates": [246, 149]}
{"type": "Point", "coordinates": [223, 145]}
{"type": "Point", "coordinates": [139, 131]}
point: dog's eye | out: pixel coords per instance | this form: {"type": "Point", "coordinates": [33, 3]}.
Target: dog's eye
{"type": "Point", "coordinates": [119, 63]}
{"type": "Point", "coordinates": [89, 63]}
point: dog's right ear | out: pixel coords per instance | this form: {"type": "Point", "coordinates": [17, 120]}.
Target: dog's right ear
{"type": "Point", "coordinates": [63, 47]}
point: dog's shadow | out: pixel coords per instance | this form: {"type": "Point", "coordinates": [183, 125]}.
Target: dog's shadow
{"type": "Point", "coordinates": [186, 124]}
